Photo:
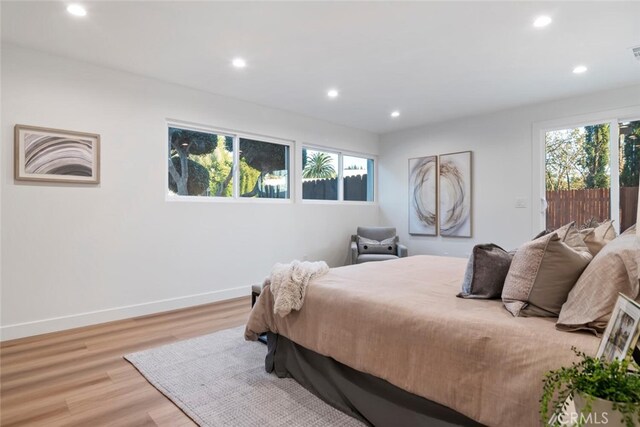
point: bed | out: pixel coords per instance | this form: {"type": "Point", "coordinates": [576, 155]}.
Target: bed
{"type": "Point", "coordinates": [399, 322]}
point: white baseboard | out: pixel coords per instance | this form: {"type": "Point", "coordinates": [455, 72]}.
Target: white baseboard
{"type": "Point", "coordinates": [37, 327]}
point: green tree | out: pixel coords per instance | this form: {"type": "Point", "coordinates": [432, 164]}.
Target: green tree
{"type": "Point", "coordinates": [259, 158]}
{"type": "Point", "coordinates": [207, 160]}
{"type": "Point", "coordinates": [219, 164]}
{"type": "Point", "coordinates": [319, 165]}
{"type": "Point", "coordinates": [630, 155]}
{"type": "Point", "coordinates": [249, 178]}
{"type": "Point", "coordinates": [596, 159]}
{"type": "Point", "coordinates": [564, 156]}
{"type": "Point", "coordinates": [186, 176]}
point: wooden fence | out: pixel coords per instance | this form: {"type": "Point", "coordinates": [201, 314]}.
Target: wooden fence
{"type": "Point", "coordinates": [273, 192]}
{"type": "Point", "coordinates": [355, 188]}
{"type": "Point", "coordinates": [581, 205]}
{"type": "Point", "coordinates": [320, 189]}
{"type": "Point", "coordinates": [628, 207]}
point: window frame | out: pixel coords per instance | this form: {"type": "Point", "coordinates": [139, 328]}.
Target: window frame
{"type": "Point", "coordinates": [236, 135]}
{"type": "Point", "coordinates": [341, 153]}
{"type": "Point", "coordinates": [538, 143]}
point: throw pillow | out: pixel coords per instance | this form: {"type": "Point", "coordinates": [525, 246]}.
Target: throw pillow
{"type": "Point", "coordinates": [542, 233]}
{"type": "Point", "coordinates": [630, 230]}
{"type": "Point", "coordinates": [486, 271]}
{"type": "Point", "coordinates": [543, 272]}
{"type": "Point", "coordinates": [614, 270]}
{"type": "Point", "coordinates": [590, 223]}
{"type": "Point", "coordinates": [370, 246]}
{"type": "Point", "coordinates": [562, 231]}
{"type": "Point", "coordinates": [596, 238]}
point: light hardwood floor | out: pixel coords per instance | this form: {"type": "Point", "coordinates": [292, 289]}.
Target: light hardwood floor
{"type": "Point", "coordinates": [79, 378]}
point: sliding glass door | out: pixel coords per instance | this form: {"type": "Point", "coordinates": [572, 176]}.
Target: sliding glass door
{"type": "Point", "coordinates": [591, 173]}
{"type": "Point", "coordinates": [629, 166]}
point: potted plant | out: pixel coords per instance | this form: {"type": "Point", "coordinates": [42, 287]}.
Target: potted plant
{"type": "Point", "coordinates": [604, 393]}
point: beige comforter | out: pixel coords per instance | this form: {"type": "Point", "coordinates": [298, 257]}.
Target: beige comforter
{"type": "Point", "coordinates": [400, 320]}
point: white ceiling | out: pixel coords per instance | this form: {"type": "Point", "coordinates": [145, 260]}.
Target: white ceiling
{"type": "Point", "coordinates": [430, 60]}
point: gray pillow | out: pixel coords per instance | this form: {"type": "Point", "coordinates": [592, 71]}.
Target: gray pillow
{"type": "Point", "coordinates": [486, 271]}
{"type": "Point", "coordinates": [369, 246]}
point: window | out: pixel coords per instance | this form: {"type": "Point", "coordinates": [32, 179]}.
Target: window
{"type": "Point", "coordinates": [577, 175]}
{"type": "Point", "coordinates": [629, 145]}
{"type": "Point", "coordinates": [330, 175]}
{"type": "Point", "coordinates": [264, 169]}
{"type": "Point", "coordinates": [223, 165]}
{"type": "Point", "coordinates": [319, 175]}
{"type": "Point", "coordinates": [357, 173]}
{"type": "Point", "coordinates": [591, 173]}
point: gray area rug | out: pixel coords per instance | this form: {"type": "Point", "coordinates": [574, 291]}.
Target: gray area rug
{"type": "Point", "coordinates": [219, 380]}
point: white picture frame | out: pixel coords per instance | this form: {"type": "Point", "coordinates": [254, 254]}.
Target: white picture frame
{"type": "Point", "coordinates": [621, 335]}
{"type": "Point", "coordinates": [56, 155]}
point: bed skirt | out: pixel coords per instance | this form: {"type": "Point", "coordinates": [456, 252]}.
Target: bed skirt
{"type": "Point", "coordinates": [370, 399]}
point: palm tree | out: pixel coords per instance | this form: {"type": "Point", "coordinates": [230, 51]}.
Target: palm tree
{"type": "Point", "coordinates": [319, 165]}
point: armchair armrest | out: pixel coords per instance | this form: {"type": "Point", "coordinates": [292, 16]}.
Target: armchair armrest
{"type": "Point", "coordinates": [354, 253]}
{"type": "Point", "coordinates": [402, 251]}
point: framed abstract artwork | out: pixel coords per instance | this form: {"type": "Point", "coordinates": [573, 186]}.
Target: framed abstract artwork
{"type": "Point", "coordinates": [454, 194]}
{"type": "Point", "coordinates": [55, 155]}
{"type": "Point", "coordinates": [423, 198]}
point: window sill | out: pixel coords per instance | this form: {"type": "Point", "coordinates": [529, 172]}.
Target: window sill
{"type": "Point", "coordinates": [337, 202]}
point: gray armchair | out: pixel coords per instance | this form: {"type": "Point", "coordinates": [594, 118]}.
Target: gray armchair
{"type": "Point", "coordinates": [379, 234]}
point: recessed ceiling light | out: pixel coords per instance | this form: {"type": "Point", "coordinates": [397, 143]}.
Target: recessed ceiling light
{"type": "Point", "coordinates": [395, 114]}
{"type": "Point", "coordinates": [542, 21]}
{"type": "Point", "coordinates": [239, 63]}
{"type": "Point", "coordinates": [332, 93]}
{"type": "Point", "coordinates": [579, 69]}
{"type": "Point", "coordinates": [76, 10]}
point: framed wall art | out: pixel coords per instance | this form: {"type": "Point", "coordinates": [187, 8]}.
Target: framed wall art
{"type": "Point", "coordinates": [454, 194]}
{"type": "Point", "coordinates": [55, 155]}
{"type": "Point", "coordinates": [423, 198]}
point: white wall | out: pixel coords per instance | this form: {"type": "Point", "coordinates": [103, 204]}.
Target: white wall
{"type": "Point", "coordinates": [502, 168]}
{"type": "Point", "coordinates": [74, 255]}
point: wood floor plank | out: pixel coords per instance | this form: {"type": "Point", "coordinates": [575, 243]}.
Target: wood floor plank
{"type": "Point", "coordinates": [28, 364]}
{"type": "Point", "coordinates": [160, 330]}
{"type": "Point", "coordinates": [18, 356]}
{"type": "Point", "coordinates": [170, 416]}
{"type": "Point", "coordinates": [80, 378]}
{"type": "Point", "coordinates": [33, 415]}
{"type": "Point", "coordinates": [54, 338]}
{"type": "Point", "coordinates": [13, 398]}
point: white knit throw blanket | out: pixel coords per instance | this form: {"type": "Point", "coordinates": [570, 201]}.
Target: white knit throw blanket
{"type": "Point", "coordinates": [289, 284]}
